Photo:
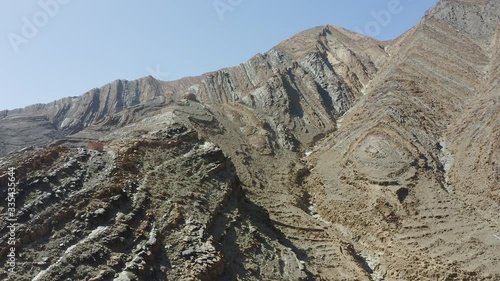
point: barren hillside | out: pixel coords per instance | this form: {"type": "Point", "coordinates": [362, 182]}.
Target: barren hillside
{"type": "Point", "coordinates": [332, 156]}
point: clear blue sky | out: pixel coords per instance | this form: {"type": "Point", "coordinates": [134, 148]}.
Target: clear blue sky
{"type": "Point", "coordinates": [67, 47]}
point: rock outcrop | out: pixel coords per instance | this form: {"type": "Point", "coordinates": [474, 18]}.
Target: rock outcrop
{"type": "Point", "coordinates": [332, 156]}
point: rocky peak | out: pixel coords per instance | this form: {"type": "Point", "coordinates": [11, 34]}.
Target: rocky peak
{"type": "Point", "coordinates": [330, 157]}
{"type": "Point", "coordinates": [475, 18]}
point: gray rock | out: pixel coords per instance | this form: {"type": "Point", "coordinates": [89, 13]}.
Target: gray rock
{"type": "Point", "coordinates": [189, 252]}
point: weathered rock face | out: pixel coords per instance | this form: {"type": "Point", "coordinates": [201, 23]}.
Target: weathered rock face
{"type": "Point", "coordinates": [476, 19]}
{"type": "Point", "coordinates": [301, 86]}
{"type": "Point", "coordinates": [419, 153]}
{"type": "Point", "coordinates": [286, 88]}
{"type": "Point", "coordinates": [164, 205]}
{"type": "Point", "coordinates": [113, 105]}
{"type": "Point", "coordinates": [330, 157]}
{"type": "Point", "coordinates": [473, 169]}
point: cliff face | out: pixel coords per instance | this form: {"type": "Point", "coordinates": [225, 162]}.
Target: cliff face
{"type": "Point", "coordinates": [330, 157]}
{"type": "Point", "coordinates": [307, 81]}
{"type": "Point", "coordinates": [113, 105]}
{"type": "Point", "coordinates": [420, 153]}
{"type": "Point", "coordinates": [477, 20]}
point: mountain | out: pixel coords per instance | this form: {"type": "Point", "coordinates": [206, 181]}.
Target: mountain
{"type": "Point", "coordinates": [332, 156]}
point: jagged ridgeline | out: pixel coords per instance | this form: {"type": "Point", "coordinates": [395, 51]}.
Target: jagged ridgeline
{"type": "Point", "coordinates": [332, 156]}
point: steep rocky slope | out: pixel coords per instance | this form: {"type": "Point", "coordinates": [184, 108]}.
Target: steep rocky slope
{"type": "Point", "coordinates": [307, 81]}
{"type": "Point", "coordinates": [330, 157]}
{"type": "Point", "coordinates": [420, 152]}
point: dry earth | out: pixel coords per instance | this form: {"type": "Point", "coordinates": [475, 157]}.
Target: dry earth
{"type": "Point", "coordinates": [332, 156]}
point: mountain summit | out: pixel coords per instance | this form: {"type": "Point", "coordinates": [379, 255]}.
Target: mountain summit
{"type": "Point", "coordinates": [332, 156]}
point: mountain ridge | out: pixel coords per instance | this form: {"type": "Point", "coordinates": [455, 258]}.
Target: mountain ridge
{"type": "Point", "coordinates": [332, 156]}
{"type": "Point", "coordinates": [156, 92]}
